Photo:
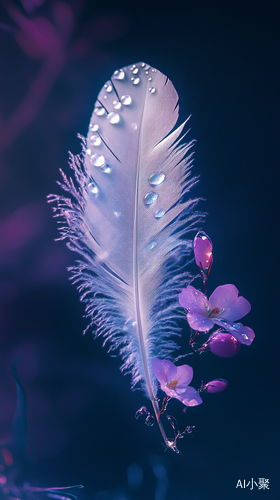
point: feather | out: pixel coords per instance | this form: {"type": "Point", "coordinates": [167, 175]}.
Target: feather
{"type": "Point", "coordinates": [128, 216]}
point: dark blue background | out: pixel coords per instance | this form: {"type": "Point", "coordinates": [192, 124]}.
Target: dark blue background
{"type": "Point", "coordinates": [223, 58]}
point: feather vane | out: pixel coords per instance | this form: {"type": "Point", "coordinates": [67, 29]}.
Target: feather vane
{"type": "Point", "coordinates": [127, 217]}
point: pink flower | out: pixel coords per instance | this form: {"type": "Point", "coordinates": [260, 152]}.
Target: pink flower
{"type": "Point", "coordinates": [223, 308]}
{"type": "Point", "coordinates": [202, 247]}
{"type": "Point", "coordinates": [174, 381]}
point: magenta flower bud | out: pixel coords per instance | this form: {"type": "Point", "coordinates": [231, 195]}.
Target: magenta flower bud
{"type": "Point", "coordinates": [202, 247]}
{"type": "Point", "coordinates": [223, 344]}
{"type": "Point", "coordinates": [217, 385]}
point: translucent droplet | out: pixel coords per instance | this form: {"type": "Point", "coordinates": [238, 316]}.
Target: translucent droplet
{"type": "Point", "coordinates": [141, 411]}
{"type": "Point", "coordinates": [159, 214]}
{"type": "Point", "coordinates": [88, 152]}
{"type": "Point", "coordinates": [106, 169]}
{"type": "Point", "coordinates": [135, 71]}
{"type": "Point", "coordinates": [126, 100]}
{"type": "Point", "coordinates": [149, 79]}
{"type": "Point", "coordinates": [119, 74]}
{"type": "Point", "coordinates": [114, 118]}
{"type": "Point", "coordinates": [150, 198]}
{"type": "Point", "coordinates": [152, 245]}
{"type": "Point", "coordinates": [99, 111]}
{"type": "Point", "coordinates": [130, 324]}
{"type": "Point", "coordinates": [135, 81]}
{"type": "Point", "coordinates": [117, 104]}
{"type": "Point", "coordinates": [104, 97]}
{"type": "Point", "coordinates": [153, 70]}
{"type": "Point", "coordinates": [142, 65]}
{"type": "Point", "coordinates": [150, 421]}
{"type": "Point", "coordinates": [156, 179]}
{"type": "Point", "coordinates": [108, 87]}
{"type": "Point", "coordinates": [93, 127]}
{"type": "Point", "coordinates": [134, 126]}
{"type": "Point", "coordinates": [95, 140]}
{"type": "Point", "coordinates": [147, 72]}
{"type": "Point", "coordinates": [97, 160]}
{"type": "Point", "coordinates": [152, 90]}
{"type": "Point", "coordinates": [133, 66]}
{"type": "Point", "coordinates": [92, 187]}
{"type": "Point", "coordinates": [116, 214]}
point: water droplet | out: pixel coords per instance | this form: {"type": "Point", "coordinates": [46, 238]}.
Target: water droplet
{"type": "Point", "coordinates": [135, 71]}
{"type": "Point", "coordinates": [106, 169]}
{"type": "Point", "coordinates": [159, 214]}
{"type": "Point", "coordinates": [92, 187]}
{"type": "Point", "coordinates": [135, 81]}
{"type": "Point", "coordinates": [152, 245]}
{"type": "Point", "coordinates": [133, 66]}
{"type": "Point", "coordinates": [93, 127]}
{"type": "Point", "coordinates": [88, 152]}
{"type": "Point", "coordinates": [134, 126]}
{"type": "Point", "coordinates": [149, 79]}
{"type": "Point", "coordinates": [150, 198]}
{"type": "Point", "coordinates": [154, 70]}
{"type": "Point", "coordinates": [126, 100]}
{"type": "Point", "coordinates": [99, 111]}
{"type": "Point", "coordinates": [114, 118]}
{"type": "Point", "coordinates": [156, 179]}
{"type": "Point", "coordinates": [95, 140]}
{"type": "Point", "coordinates": [143, 65]}
{"type": "Point", "coordinates": [117, 104]}
{"type": "Point", "coordinates": [141, 411]}
{"type": "Point", "coordinates": [97, 160]}
{"type": "Point", "coordinates": [105, 97]}
{"type": "Point", "coordinates": [152, 90]}
{"type": "Point", "coordinates": [108, 87]}
{"type": "Point", "coordinates": [147, 72]}
{"type": "Point", "coordinates": [119, 74]}
{"type": "Point", "coordinates": [116, 214]}
{"type": "Point", "coordinates": [150, 421]}
{"type": "Point", "coordinates": [129, 324]}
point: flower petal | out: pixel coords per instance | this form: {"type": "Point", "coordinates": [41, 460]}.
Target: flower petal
{"type": "Point", "coordinates": [222, 297]}
{"type": "Point", "coordinates": [164, 370]}
{"type": "Point", "coordinates": [237, 309]}
{"type": "Point", "coordinates": [199, 322]}
{"type": "Point", "coordinates": [244, 334]}
{"type": "Point", "coordinates": [191, 397]}
{"type": "Point", "coordinates": [184, 376]}
{"type": "Point", "coordinates": [194, 300]}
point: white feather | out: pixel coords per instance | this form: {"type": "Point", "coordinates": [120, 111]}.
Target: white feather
{"type": "Point", "coordinates": [133, 253]}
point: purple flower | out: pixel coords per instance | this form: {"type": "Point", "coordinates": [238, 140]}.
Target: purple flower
{"type": "Point", "coordinates": [174, 381]}
{"type": "Point", "coordinates": [223, 308]}
{"type": "Point", "coordinates": [202, 247]}
{"type": "Point", "coordinates": [223, 344]}
{"type": "Point", "coordinates": [217, 385]}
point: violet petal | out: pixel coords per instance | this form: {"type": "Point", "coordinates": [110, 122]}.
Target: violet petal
{"type": "Point", "coordinates": [191, 397]}
{"type": "Point", "coordinates": [164, 370]}
{"type": "Point", "coordinates": [193, 300]}
{"type": "Point", "coordinates": [199, 322]}
{"type": "Point", "coordinates": [222, 297]}
{"type": "Point", "coordinates": [244, 334]}
{"type": "Point", "coordinates": [184, 376]}
{"type": "Point", "coordinates": [237, 309]}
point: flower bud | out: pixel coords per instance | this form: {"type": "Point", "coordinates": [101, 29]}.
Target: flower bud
{"type": "Point", "coordinates": [202, 247]}
{"type": "Point", "coordinates": [223, 344]}
{"type": "Point", "coordinates": [217, 385]}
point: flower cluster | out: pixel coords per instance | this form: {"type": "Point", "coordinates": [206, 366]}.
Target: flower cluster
{"type": "Point", "coordinates": [223, 308]}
